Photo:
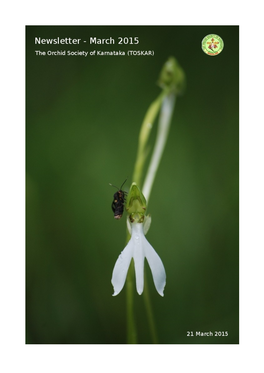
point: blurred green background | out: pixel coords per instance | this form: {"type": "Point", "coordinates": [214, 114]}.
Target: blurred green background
{"type": "Point", "coordinates": [83, 117]}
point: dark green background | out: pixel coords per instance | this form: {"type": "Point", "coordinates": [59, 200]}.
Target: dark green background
{"type": "Point", "coordinates": [83, 117]}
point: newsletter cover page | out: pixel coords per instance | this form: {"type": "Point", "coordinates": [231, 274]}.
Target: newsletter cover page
{"type": "Point", "coordinates": [132, 173]}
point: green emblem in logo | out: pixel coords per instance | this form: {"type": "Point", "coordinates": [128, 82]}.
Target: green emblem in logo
{"type": "Point", "coordinates": [212, 45]}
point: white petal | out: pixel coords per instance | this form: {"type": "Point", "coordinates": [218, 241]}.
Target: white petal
{"type": "Point", "coordinates": [138, 254]}
{"type": "Point", "coordinates": [139, 268]}
{"type": "Point", "coordinates": [121, 268]}
{"type": "Point", "coordinates": [146, 224]}
{"type": "Point", "coordinates": [156, 267]}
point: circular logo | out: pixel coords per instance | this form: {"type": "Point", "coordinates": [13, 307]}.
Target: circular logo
{"type": "Point", "coordinates": [212, 45]}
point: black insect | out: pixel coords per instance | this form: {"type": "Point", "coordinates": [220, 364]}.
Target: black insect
{"type": "Point", "coordinates": [119, 201]}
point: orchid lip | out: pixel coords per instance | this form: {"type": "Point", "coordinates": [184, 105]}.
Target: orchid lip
{"type": "Point", "coordinates": [138, 248]}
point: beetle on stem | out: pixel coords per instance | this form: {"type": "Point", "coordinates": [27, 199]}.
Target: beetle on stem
{"type": "Point", "coordinates": [119, 201]}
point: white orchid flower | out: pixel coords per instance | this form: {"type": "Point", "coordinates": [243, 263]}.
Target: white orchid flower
{"type": "Point", "coordinates": [138, 248]}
